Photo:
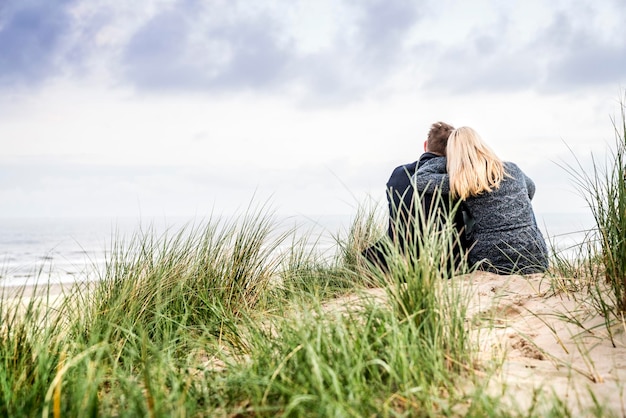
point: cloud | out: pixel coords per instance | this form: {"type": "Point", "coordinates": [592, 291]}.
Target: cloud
{"type": "Point", "coordinates": [575, 49]}
{"type": "Point", "coordinates": [235, 46]}
{"type": "Point", "coordinates": [581, 55]}
{"type": "Point", "coordinates": [368, 48]}
{"type": "Point", "coordinates": [31, 34]}
{"type": "Point", "coordinates": [214, 50]}
{"type": "Point", "coordinates": [203, 48]}
{"type": "Point", "coordinates": [483, 64]}
{"type": "Point", "coordinates": [381, 30]}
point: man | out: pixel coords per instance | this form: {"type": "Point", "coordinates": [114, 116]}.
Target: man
{"type": "Point", "coordinates": [400, 191]}
{"type": "Point", "coordinates": [400, 197]}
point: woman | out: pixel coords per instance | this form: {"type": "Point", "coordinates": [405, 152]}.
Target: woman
{"type": "Point", "coordinates": [497, 195]}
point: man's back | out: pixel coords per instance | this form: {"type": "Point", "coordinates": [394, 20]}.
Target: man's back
{"type": "Point", "coordinates": [403, 203]}
{"type": "Point", "coordinates": [401, 199]}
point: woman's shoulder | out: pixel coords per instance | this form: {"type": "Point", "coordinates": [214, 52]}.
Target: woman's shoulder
{"type": "Point", "coordinates": [516, 176]}
{"type": "Point", "coordinates": [512, 169]}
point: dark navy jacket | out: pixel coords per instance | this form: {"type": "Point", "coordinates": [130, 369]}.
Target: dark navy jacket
{"type": "Point", "coordinates": [400, 198]}
{"type": "Point", "coordinates": [402, 202]}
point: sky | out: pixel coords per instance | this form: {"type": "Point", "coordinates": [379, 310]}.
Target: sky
{"type": "Point", "coordinates": [190, 108]}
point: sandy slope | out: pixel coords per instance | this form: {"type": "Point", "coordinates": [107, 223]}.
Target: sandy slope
{"type": "Point", "coordinates": [549, 341]}
{"type": "Point", "coordinates": [543, 342]}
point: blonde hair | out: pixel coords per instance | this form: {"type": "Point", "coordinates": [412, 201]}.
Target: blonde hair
{"type": "Point", "coordinates": [472, 166]}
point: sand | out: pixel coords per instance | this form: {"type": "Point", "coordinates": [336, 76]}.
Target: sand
{"type": "Point", "coordinates": [549, 341]}
{"type": "Point", "coordinates": [52, 289]}
{"type": "Point", "coordinates": [49, 294]}
{"type": "Point", "coordinates": [538, 343]}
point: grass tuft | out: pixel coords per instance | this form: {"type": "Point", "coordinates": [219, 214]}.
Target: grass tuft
{"type": "Point", "coordinates": [605, 192]}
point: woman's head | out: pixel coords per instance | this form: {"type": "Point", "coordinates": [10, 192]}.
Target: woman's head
{"type": "Point", "coordinates": [472, 166]}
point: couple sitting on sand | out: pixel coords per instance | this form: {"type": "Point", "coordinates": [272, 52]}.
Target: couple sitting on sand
{"type": "Point", "coordinates": [497, 227]}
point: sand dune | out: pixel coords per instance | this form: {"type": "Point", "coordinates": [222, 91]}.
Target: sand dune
{"type": "Point", "coordinates": [549, 340]}
{"type": "Point", "coordinates": [542, 340]}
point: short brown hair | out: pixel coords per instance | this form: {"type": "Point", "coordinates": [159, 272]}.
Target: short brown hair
{"type": "Point", "coordinates": [438, 137]}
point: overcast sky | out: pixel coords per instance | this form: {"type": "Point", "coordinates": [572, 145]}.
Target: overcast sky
{"type": "Point", "coordinates": [182, 108]}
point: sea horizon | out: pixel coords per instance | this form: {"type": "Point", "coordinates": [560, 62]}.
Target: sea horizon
{"type": "Point", "coordinates": [69, 249]}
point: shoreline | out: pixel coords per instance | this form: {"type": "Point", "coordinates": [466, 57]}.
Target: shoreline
{"type": "Point", "coordinates": [48, 289]}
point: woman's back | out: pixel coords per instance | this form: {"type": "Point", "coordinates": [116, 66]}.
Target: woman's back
{"type": "Point", "coordinates": [505, 230]}
{"type": "Point", "coordinates": [506, 207]}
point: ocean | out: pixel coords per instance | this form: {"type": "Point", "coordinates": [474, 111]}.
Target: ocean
{"type": "Point", "coordinates": [54, 250]}
{"type": "Point", "coordinates": [62, 250]}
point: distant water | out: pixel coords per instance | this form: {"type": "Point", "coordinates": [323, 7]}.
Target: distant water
{"type": "Point", "coordinates": [71, 249]}
{"type": "Point", "coordinates": [55, 250]}
{"type": "Point", "coordinates": [565, 232]}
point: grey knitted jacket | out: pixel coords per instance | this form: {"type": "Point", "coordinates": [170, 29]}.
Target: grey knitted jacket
{"type": "Point", "coordinates": [505, 233]}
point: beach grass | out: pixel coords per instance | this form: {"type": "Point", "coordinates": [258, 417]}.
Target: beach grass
{"type": "Point", "coordinates": [239, 319]}
{"type": "Point", "coordinates": [229, 318]}
{"type": "Point", "coordinates": [296, 334]}
{"type": "Point", "coordinates": [602, 264]}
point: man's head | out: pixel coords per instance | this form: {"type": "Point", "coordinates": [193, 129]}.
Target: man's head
{"type": "Point", "coordinates": [438, 138]}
